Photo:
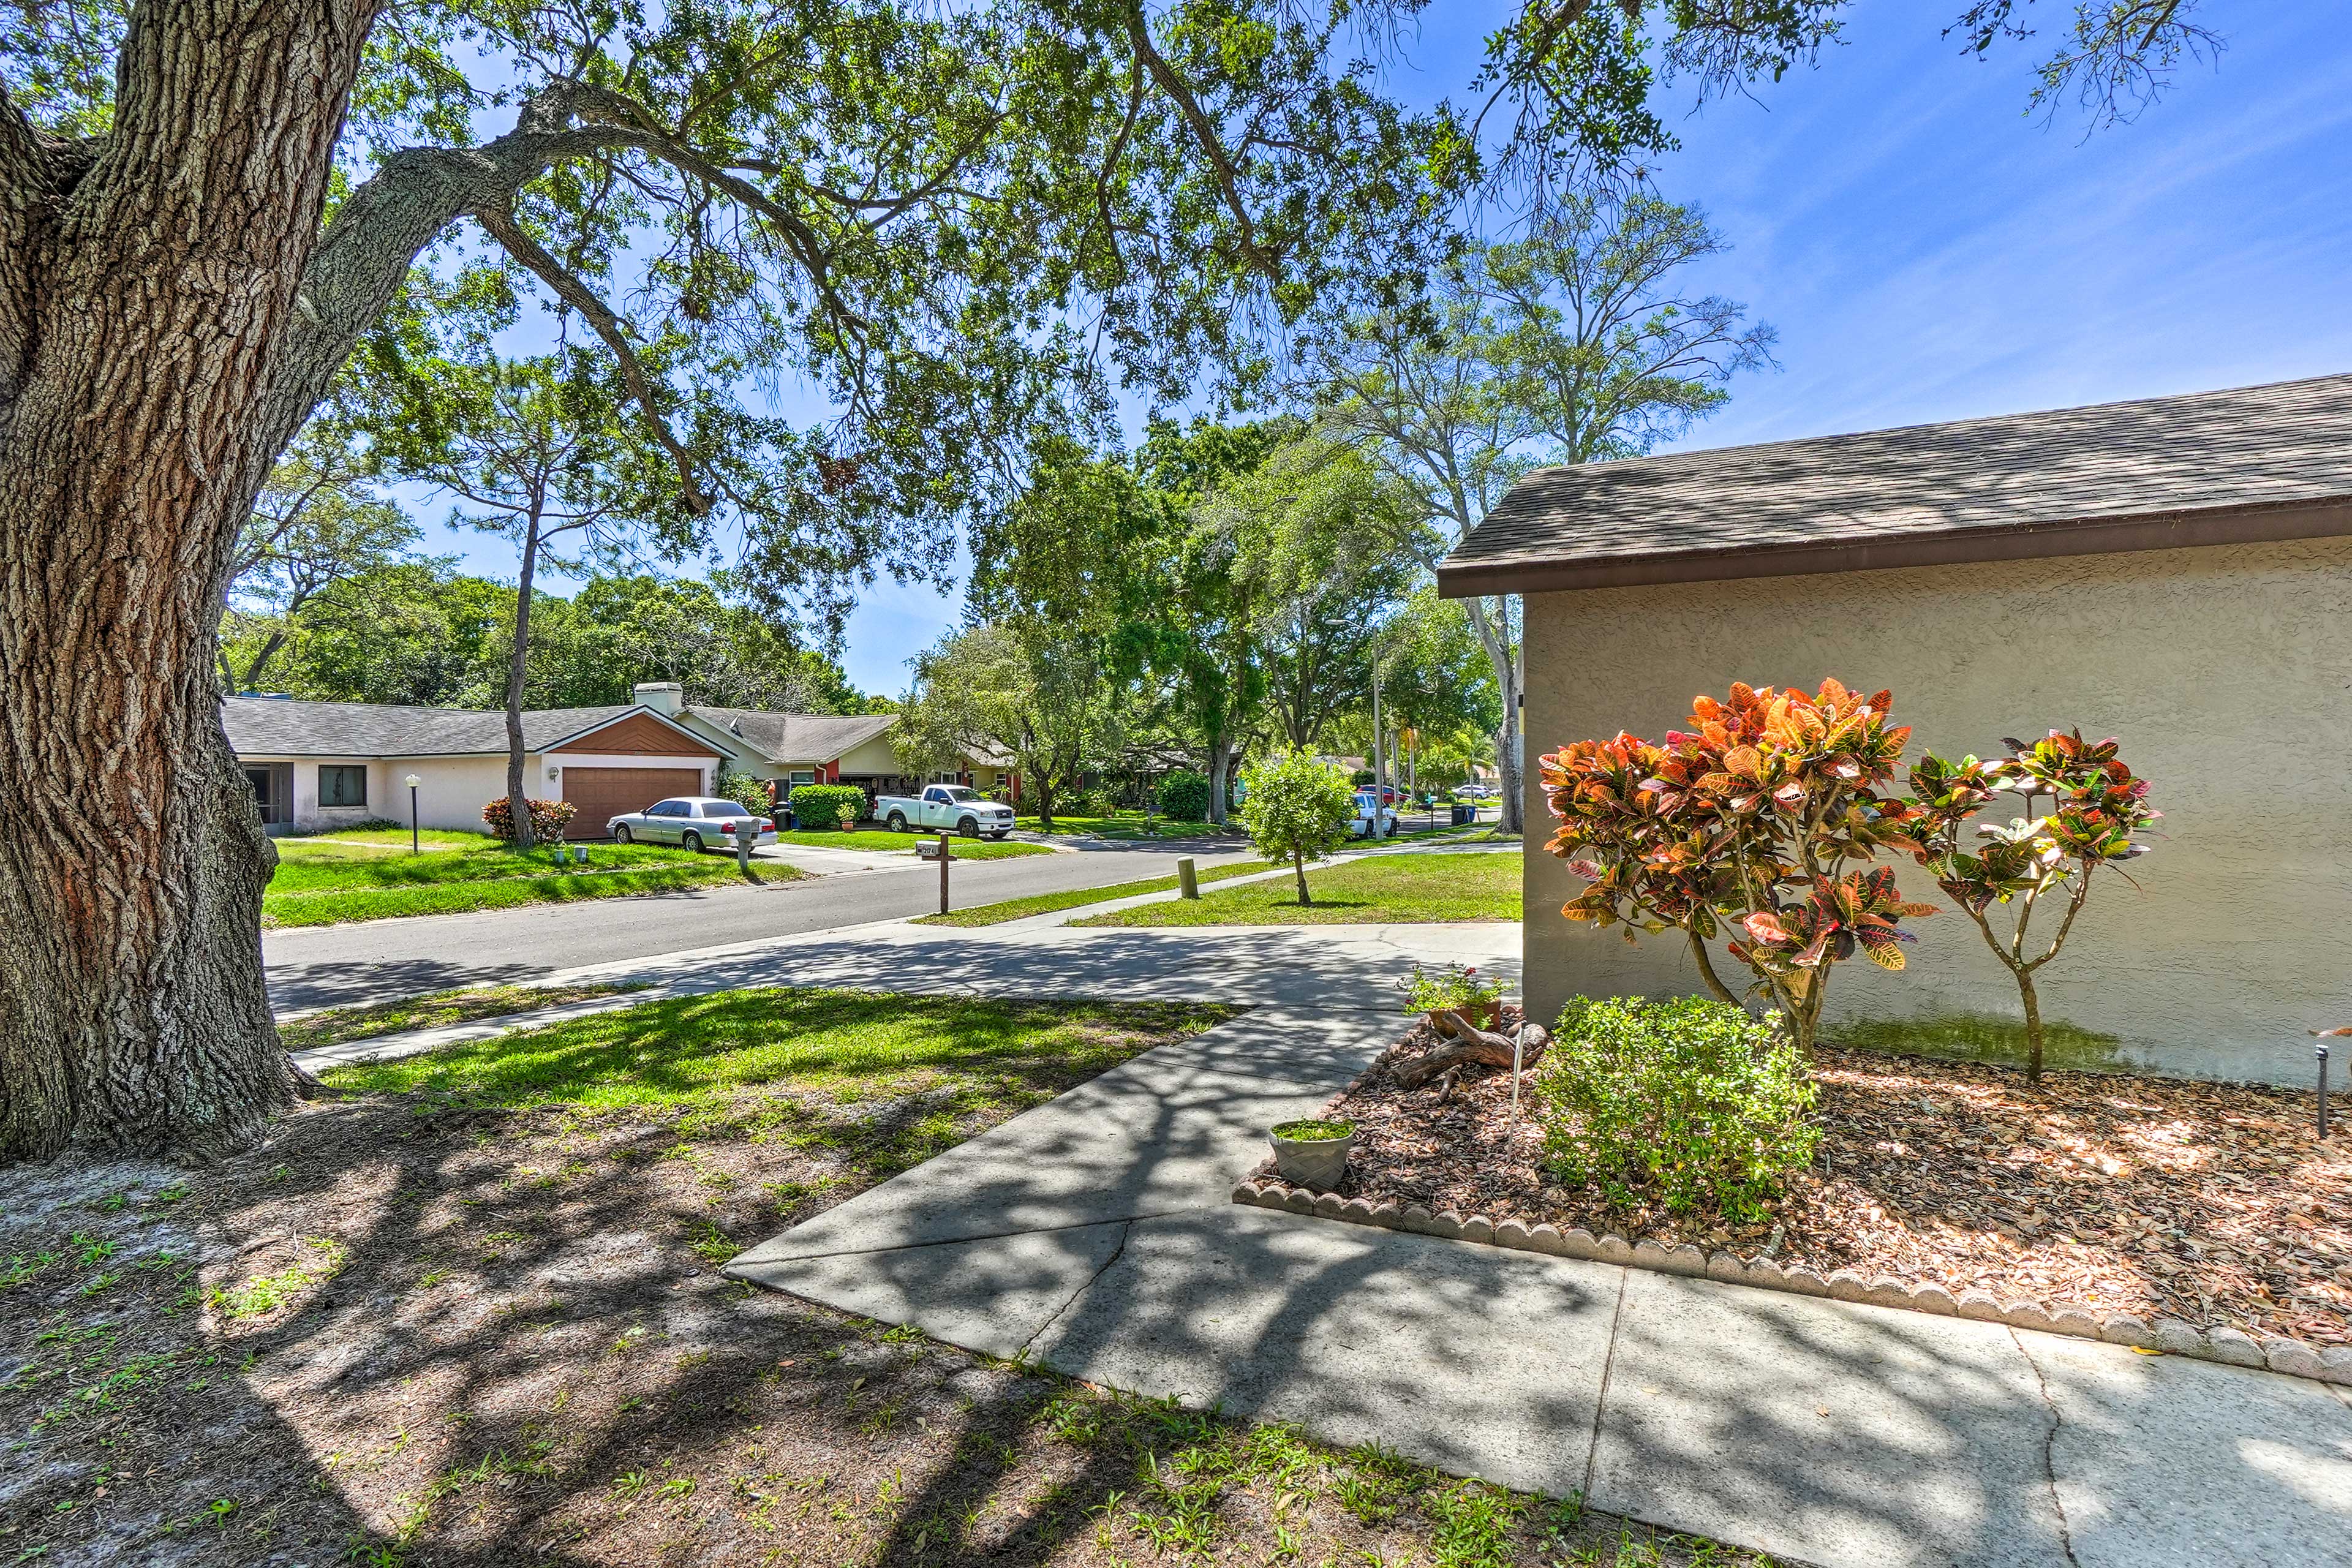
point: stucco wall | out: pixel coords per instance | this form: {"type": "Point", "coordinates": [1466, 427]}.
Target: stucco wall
{"type": "Point", "coordinates": [2226, 674]}
{"type": "Point", "coordinates": [871, 757]}
{"type": "Point", "coordinates": [310, 815]}
{"type": "Point", "coordinates": [452, 791]}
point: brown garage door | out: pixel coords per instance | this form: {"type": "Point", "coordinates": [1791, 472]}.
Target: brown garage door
{"type": "Point", "coordinates": [604, 794]}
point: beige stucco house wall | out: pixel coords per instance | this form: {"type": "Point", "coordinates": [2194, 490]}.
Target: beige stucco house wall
{"type": "Point", "coordinates": [2225, 671]}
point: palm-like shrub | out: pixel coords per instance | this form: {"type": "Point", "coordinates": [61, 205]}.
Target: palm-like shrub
{"type": "Point", "coordinates": [2096, 807]}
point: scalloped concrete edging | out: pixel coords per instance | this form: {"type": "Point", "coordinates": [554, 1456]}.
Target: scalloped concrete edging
{"type": "Point", "coordinates": [2169, 1336]}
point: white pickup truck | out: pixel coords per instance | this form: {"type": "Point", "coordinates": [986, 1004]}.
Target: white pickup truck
{"type": "Point", "coordinates": [949, 806]}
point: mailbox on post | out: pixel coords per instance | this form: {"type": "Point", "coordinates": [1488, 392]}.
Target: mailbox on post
{"type": "Point", "coordinates": [937, 851]}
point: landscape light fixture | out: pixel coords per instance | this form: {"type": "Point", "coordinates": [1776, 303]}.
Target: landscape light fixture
{"type": "Point", "coordinates": [413, 782]}
{"type": "Point", "coordinates": [2321, 1052]}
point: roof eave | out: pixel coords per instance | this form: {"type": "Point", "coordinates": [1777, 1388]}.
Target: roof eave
{"type": "Point", "coordinates": [2174, 529]}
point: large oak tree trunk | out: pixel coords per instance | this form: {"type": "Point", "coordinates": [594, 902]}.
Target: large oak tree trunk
{"type": "Point", "coordinates": [146, 283]}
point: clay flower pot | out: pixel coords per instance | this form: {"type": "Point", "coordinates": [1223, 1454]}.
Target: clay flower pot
{"type": "Point", "coordinates": [1313, 1154]}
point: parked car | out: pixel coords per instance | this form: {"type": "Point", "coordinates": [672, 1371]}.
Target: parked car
{"type": "Point", "coordinates": [697, 824]}
{"type": "Point", "coordinates": [1373, 820]}
{"type": "Point", "coordinates": [949, 806]}
{"type": "Point", "coordinates": [1472, 792]}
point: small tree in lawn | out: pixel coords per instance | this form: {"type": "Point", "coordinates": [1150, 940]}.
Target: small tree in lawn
{"type": "Point", "coordinates": [2096, 807]}
{"type": "Point", "coordinates": [1297, 810]}
{"type": "Point", "coordinates": [1748, 820]}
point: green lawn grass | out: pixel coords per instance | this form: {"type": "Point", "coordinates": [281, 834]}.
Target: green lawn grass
{"type": "Point", "coordinates": [882, 840]}
{"type": "Point", "coordinates": [1399, 888]}
{"type": "Point", "coordinates": [356, 841]}
{"type": "Point", "coordinates": [334, 1026]}
{"type": "Point", "coordinates": [1046, 903]}
{"type": "Point", "coordinates": [1120, 825]}
{"type": "Point", "coordinates": [798, 1061]}
{"type": "Point", "coordinates": [326, 883]}
{"type": "Point", "coordinates": [531, 1283]}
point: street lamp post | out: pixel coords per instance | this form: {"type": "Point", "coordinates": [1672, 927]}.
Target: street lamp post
{"type": "Point", "coordinates": [413, 782]}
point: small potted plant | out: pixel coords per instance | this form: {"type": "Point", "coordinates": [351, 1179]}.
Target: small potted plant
{"type": "Point", "coordinates": [1453, 989]}
{"type": "Point", "coordinates": [1313, 1153]}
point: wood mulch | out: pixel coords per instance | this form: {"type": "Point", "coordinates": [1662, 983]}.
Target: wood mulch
{"type": "Point", "coordinates": [2210, 1203]}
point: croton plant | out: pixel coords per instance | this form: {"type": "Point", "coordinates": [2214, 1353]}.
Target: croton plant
{"type": "Point", "coordinates": [2096, 806]}
{"type": "Point", "coordinates": [1748, 821]}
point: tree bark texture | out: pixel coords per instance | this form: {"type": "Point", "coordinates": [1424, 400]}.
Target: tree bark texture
{"type": "Point", "coordinates": [518, 797]}
{"type": "Point", "coordinates": [1220, 767]}
{"type": "Point", "coordinates": [146, 282]}
{"type": "Point", "coordinates": [1492, 627]}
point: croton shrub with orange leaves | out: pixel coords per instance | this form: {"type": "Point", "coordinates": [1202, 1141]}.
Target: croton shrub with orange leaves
{"type": "Point", "coordinates": [2095, 808]}
{"type": "Point", "coordinates": [1761, 821]}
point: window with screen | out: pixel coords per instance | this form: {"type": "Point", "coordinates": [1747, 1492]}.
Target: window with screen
{"type": "Point", "coordinates": [342, 785]}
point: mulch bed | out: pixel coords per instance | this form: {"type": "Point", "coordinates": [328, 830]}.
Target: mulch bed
{"type": "Point", "coordinates": [2210, 1203]}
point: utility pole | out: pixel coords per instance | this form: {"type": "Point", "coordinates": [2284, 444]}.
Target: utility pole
{"type": "Point", "coordinates": [1378, 778]}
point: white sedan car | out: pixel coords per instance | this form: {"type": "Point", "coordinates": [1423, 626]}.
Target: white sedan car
{"type": "Point", "coordinates": [696, 824]}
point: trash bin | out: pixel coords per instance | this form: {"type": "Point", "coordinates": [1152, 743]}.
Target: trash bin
{"type": "Point", "coordinates": [1464, 814]}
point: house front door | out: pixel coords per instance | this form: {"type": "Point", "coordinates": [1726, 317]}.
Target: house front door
{"type": "Point", "coordinates": [273, 792]}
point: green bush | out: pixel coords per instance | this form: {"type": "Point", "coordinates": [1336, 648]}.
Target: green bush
{"type": "Point", "coordinates": [1184, 796]}
{"type": "Point", "coordinates": [744, 791]}
{"type": "Point", "coordinates": [547, 819]}
{"type": "Point", "coordinates": [1688, 1103]}
{"type": "Point", "coordinates": [819, 806]}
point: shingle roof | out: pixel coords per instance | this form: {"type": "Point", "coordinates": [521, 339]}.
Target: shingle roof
{"type": "Point", "coordinates": [2165, 470]}
{"type": "Point", "coordinates": [798, 737]}
{"type": "Point", "coordinates": [272, 726]}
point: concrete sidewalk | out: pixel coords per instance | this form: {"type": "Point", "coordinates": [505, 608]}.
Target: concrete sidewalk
{"type": "Point", "coordinates": [1094, 1233]}
{"type": "Point", "coordinates": [1350, 968]}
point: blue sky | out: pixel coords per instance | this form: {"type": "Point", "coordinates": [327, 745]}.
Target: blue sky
{"type": "Point", "coordinates": [1927, 252]}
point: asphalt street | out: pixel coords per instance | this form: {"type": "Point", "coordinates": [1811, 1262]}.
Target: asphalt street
{"type": "Point", "coordinates": [377, 961]}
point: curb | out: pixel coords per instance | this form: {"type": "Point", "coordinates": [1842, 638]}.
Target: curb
{"type": "Point", "coordinates": [2169, 1336]}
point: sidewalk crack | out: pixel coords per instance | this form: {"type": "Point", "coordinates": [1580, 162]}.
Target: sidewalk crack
{"type": "Point", "coordinates": [1601, 1401]}
{"type": "Point", "coordinates": [1125, 1229]}
{"type": "Point", "coordinates": [2050, 1451]}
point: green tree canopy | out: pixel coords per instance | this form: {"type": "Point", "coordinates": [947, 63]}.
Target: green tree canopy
{"type": "Point", "coordinates": [1038, 696]}
{"type": "Point", "coordinates": [1572, 345]}
{"type": "Point", "coordinates": [317, 524]}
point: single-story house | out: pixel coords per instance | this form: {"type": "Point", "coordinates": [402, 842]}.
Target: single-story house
{"type": "Point", "coordinates": [792, 749]}
{"type": "Point", "coordinates": [2175, 572]}
{"type": "Point", "coordinates": [317, 764]}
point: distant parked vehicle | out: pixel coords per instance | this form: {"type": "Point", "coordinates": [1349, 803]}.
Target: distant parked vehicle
{"type": "Point", "coordinates": [1373, 820]}
{"type": "Point", "coordinates": [687, 820]}
{"type": "Point", "coordinates": [949, 806]}
{"type": "Point", "coordinates": [1472, 792]}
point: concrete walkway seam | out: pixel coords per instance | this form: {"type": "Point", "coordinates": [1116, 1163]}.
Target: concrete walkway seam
{"type": "Point", "coordinates": [2164, 1336]}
